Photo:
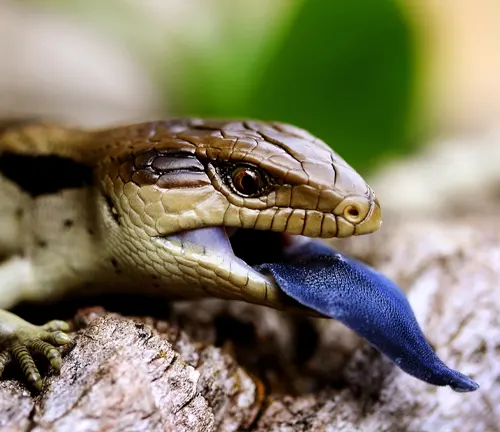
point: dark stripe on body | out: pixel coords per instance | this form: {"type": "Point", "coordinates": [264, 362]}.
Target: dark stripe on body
{"type": "Point", "coordinates": [42, 175]}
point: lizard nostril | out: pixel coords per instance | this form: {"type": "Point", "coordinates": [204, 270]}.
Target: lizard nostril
{"type": "Point", "coordinates": [352, 211]}
{"type": "Point", "coordinates": [352, 214]}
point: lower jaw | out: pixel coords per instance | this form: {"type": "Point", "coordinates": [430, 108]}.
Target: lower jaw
{"type": "Point", "coordinates": [217, 267]}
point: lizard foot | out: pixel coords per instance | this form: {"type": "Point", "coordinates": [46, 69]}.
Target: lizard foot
{"type": "Point", "coordinates": [19, 340]}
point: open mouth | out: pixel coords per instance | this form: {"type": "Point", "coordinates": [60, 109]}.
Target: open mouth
{"type": "Point", "coordinates": [240, 254]}
{"type": "Point", "coordinates": [260, 247]}
{"type": "Point", "coordinates": [304, 273]}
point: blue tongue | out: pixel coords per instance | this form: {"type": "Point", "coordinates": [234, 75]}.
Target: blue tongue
{"type": "Point", "coordinates": [367, 302]}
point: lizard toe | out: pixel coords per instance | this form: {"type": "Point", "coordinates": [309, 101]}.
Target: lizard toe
{"type": "Point", "coordinates": [27, 364]}
{"type": "Point", "coordinates": [56, 325]}
{"type": "Point", "coordinates": [48, 351]}
{"type": "Point", "coordinates": [55, 338]}
{"type": "Point", "coordinates": [5, 359]}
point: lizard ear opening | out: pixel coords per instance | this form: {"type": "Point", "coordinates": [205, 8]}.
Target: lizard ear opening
{"type": "Point", "coordinates": [112, 209]}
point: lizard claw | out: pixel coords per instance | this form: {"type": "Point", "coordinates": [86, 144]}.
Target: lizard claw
{"type": "Point", "coordinates": [21, 339]}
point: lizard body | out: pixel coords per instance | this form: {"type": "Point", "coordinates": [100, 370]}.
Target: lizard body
{"type": "Point", "coordinates": [177, 208]}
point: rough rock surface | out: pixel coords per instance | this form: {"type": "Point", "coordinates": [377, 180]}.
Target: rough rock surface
{"type": "Point", "coordinates": [226, 366]}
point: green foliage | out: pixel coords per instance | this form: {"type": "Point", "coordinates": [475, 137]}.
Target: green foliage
{"type": "Point", "coordinates": [345, 73]}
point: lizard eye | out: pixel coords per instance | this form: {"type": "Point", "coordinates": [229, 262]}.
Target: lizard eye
{"type": "Point", "coordinates": [247, 181]}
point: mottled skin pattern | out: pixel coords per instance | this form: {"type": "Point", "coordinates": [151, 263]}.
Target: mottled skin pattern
{"type": "Point", "coordinates": [149, 182]}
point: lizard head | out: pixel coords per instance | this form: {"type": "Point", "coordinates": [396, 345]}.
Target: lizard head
{"type": "Point", "coordinates": [200, 202]}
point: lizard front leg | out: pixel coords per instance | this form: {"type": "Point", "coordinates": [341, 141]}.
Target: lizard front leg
{"type": "Point", "coordinates": [18, 338]}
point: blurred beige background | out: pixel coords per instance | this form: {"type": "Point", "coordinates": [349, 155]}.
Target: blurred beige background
{"type": "Point", "coordinates": [460, 44]}
{"type": "Point", "coordinates": [54, 67]}
{"type": "Point", "coordinates": [74, 66]}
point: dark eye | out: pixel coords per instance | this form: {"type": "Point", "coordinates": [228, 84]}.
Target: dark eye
{"type": "Point", "coordinates": [247, 181]}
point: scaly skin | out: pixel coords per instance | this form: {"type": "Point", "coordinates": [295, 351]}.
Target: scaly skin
{"type": "Point", "coordinates": [148, 182]}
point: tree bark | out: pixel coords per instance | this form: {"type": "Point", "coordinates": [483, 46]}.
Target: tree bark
{"type": "Point", "coordinates": [227, 366]}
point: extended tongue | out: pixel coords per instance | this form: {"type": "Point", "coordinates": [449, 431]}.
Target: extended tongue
{"type": "Point", "coordinates": [364, 300]}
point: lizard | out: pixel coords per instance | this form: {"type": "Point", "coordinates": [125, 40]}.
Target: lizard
{"type": "Point", "coordinates": [188, 208]}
